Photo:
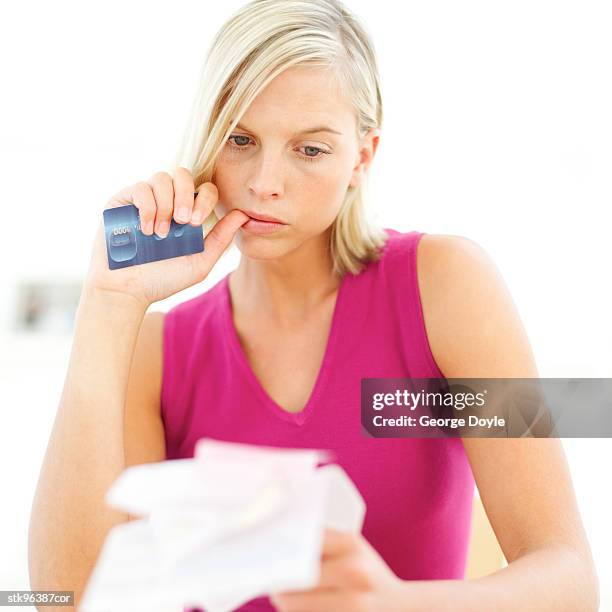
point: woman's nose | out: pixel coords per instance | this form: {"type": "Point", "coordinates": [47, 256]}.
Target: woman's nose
{"type": "Point", "coordinates": [266, 180]}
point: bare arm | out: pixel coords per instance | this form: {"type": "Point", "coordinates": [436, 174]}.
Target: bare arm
{"type": "Point", "coordinates": [87, 451]}
{"type": "Point", "coordinates": [143, 426]}
{"type": "Point", "coordinates": [109, 415]}
{"type": "Point", "coordinates": [475, 331]}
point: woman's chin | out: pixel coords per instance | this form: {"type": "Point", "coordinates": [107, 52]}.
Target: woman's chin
{"type": "Point", "coordinates": [259, 247]}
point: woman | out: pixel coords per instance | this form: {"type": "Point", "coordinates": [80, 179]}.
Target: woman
{"type": "Point", "coordinates": [284, 129]}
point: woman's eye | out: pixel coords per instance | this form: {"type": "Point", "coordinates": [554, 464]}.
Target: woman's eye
{"type": "Point", "coordinates": [318, 153]}
{"type": "Point", "coordinates": [240, 144]}
{"type": "Point", "coordinates": [309, 150]}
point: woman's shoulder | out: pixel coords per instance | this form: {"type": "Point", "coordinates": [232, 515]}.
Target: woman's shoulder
{"type": "Point", "coordinates": [463, 296]}
{"type": "Point", "coordinates": [420, 270]}
{"type": "Point", "coordinates": [157, 327]}
{"type": "Point", "coordinates": [200, 307]}
{"type": "Point", "coordinates": [429, 252]}
{"type": "Point", "coordinates": [445, 261]}
{"type": "Point", "coordinates": [400, 242]}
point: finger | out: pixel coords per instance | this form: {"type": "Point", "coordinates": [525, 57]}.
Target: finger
{"type": "Point", "coordinates": [316, 600]}
{"type": "Point", "coordinates": [163, 190]}
{"type": "Point", "coordinates": [140, 195]}
{"type": "Point", "coordinates": [217, 240]}
{"type": "Point", "coordinates": [344, 572]}
{"type": "Point", "coordinates": [183, 194]}
{"type": "Point", "coordinates": [337, 542]}
{"type": "Point", "coordinates": [204, 203]}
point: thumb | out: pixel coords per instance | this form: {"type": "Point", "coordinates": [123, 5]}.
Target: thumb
{"type": "Point", "coordinates": [217, 241]}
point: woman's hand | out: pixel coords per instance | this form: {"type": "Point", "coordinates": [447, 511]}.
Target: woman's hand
{"type": "Point", "coordinates": [158, 200]}
{"type": "Point", "coordinates": [354, 578]}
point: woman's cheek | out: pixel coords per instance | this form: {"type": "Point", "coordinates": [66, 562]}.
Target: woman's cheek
{"type": "Point", "coordinates": [226, 181]}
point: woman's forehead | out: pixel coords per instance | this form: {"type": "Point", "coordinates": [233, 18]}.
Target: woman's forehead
{"type": "Point", "coordinates": [334, 119]}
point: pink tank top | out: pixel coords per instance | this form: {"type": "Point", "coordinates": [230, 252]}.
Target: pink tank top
{"type": "Point", "coordinates": [418, 492]}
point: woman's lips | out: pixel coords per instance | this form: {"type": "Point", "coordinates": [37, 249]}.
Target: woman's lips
{"type": "Point", "coordinates": [256, 226]}
{"type": "Point", "coordinates": [261, 216]}
{"type": "Point", "coordinates": [260, 223]}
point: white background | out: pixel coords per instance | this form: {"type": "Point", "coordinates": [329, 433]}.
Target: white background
{"type": "Point", "coordinates": [497, 127]}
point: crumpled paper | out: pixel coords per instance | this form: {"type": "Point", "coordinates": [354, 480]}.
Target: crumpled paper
{"type": "Point", "coordinates": [236, 522]}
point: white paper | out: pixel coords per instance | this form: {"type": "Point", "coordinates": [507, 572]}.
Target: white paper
{"type": "Point", "coordinates": [234, 523]}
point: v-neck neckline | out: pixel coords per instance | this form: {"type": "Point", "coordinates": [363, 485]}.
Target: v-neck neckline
{"type": "Point", "coordinates": [298, 418]}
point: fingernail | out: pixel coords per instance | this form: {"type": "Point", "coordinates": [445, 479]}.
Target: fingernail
{"type": "Point", "coordinates": [162, 229]}
{"type": "Point", "coordinates": [197, 217]}
{"type": "Point", "coordinates": [183, 214]}
{"type": "Point", "coordinates": [148, 228]}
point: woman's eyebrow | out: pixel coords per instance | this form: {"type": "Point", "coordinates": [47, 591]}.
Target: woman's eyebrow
{"type": "Point", "coordinates": [311, 130]}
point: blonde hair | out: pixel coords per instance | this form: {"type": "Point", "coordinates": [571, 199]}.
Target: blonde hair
{"type": "Point", "coordinates": [261, 40]}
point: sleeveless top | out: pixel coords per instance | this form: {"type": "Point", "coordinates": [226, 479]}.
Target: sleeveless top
{"type": "Point", "coordinates": [418, 491]}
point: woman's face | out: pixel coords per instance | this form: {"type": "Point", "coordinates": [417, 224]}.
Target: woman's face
{"type": "Point", "coordinates": [273, 164]}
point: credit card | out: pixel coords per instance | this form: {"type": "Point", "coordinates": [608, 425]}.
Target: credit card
{"type": "Point", "coordinates": [126, 245]}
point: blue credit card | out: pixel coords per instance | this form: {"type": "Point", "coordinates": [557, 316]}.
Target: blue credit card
{"type": "Point", "coordinates": [126, 245]}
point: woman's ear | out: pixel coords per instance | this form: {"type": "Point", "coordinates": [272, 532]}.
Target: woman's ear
{"type": "Point", "coordinates": [367, 150]}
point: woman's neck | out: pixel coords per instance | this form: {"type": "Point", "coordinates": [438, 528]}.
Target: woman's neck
{"type": "Point", "coordinates": [286, 288]}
